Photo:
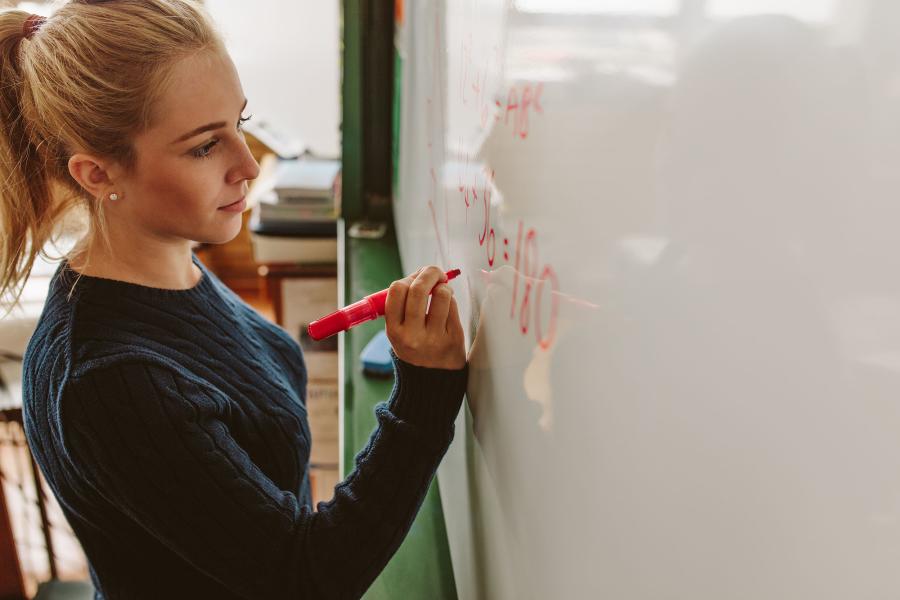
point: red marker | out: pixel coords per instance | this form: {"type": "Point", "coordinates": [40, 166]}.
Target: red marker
{"type": "Point", "coordinates": [370, 307]}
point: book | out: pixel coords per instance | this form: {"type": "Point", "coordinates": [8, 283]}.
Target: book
{"type": "Point", "coordinates": [272, 210]}
{"type": "Point", "coordinates": [314, 228]}
{"type": "Point", "coordinates": [272, 198]}
{"type": "Point", "coordinates": [299, 198]}
{"type": "Point", "coordinates": [301, 241]}
{"type": "Point", "coordinates": [306, 179]}
{"type": "Point", "coordinates": [269, 214]}
{"type": "Point", "coordinates": [297, 250]}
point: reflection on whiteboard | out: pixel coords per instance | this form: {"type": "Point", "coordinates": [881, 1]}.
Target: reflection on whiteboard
{"type": "Point", "coordinates": [681, 290]}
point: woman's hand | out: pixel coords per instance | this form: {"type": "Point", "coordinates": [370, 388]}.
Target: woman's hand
{"type": "Point", "coordinates": [431, 340]}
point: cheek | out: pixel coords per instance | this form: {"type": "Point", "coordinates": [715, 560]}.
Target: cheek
{"type": "Point", "coordinates": [182, 188]}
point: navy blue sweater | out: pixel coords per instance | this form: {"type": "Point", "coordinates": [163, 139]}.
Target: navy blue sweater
{"type": "Point", "coordinates": [171, 426]}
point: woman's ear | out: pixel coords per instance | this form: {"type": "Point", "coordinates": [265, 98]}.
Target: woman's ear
{"type": "Point", "coordinates": [90, 173]}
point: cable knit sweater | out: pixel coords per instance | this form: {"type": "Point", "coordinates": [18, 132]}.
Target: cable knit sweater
{"type": "Point", "coordinates": [171, 426]}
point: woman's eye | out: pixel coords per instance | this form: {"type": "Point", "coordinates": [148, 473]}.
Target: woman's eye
{"type": "Point", "coordinates": [204, 151]}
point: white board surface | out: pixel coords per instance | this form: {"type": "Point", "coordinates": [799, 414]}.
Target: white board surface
{"type": "Point", "coordinates": [677, 222]}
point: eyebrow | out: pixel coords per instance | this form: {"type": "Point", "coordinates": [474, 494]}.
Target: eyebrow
{"type": "Point", "coordinates": [208, 127]}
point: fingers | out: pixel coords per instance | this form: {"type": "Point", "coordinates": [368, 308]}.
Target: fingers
{"type": "Point", "coordinates": [395, 303]}
{"type": "Point", "coordinates": [417, 298]}
{"type": "Point", "coordinates": [439, 308]}
{"type": "Point", "coordinates": [434, 340]}
{"type": "Point", "coordinates": [454, 325]}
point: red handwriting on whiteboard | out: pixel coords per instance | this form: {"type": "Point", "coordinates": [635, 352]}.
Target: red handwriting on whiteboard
{"type": "Point", "coordinates": [477, 79]}
{"type": "Point", "coordinates": [521, 101]}
{"type": "Point", "coordinates": [532, 282]}
{"type": "Point", "coordinates": [529, 307]}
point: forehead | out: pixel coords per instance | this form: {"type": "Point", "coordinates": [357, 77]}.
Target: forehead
{"type": "Point", "coordinates": [202, 88]}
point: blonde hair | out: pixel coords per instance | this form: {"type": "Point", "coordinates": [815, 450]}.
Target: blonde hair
{"type": "Point", "coordinates": [87, 80]}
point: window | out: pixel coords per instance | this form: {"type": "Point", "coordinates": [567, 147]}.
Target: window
{"type": "Point", "coordinates": [651, 8]}
{"type": "Point", "coordinates": [805, 10]}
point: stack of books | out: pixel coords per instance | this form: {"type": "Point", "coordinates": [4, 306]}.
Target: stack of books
{"type": "Point", "coordinates": [295, 218]}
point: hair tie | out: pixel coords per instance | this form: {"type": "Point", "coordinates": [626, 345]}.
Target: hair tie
{"type": "Point", "coordinates": [32, 24]}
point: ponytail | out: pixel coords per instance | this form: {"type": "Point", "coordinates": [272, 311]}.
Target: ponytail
{"type": "Point", "coordinates": [26, 210]}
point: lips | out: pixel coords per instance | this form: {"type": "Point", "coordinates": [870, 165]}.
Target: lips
{"type": "Point", "coordinates": [233, 203]}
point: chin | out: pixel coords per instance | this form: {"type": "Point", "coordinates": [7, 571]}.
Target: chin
{"type": "Point", "coordinates": [223, 235]}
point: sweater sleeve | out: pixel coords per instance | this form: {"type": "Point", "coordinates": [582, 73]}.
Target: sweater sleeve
{"type": "Point", "coordinates": [150, 440]}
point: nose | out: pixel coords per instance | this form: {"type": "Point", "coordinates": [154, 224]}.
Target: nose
{"type": "Point", "coordinates": [246, 167]}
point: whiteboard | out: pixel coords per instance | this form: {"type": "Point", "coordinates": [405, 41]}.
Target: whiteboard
{"type": "Point", "coordinates": [677, 223]}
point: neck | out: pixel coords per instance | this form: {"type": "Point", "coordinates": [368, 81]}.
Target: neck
{"type": "Point", "coordinates": [163, 266]}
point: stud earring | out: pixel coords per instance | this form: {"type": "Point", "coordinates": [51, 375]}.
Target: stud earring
{"type": "Point", "coordinates": [114, 196]}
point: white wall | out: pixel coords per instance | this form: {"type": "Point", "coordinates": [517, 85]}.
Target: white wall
{"type": "Point", "coordinates": [287, 54]}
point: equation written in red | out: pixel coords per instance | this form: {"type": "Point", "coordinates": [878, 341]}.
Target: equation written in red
{"type": "Point", "coordinates": [529, 274]}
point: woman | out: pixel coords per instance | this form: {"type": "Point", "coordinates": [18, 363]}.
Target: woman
{"type": "Point", "coordinates": [167, 416]}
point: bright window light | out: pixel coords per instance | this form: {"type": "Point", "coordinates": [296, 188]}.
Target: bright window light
{"type": "Point", "coordinates": [805, 10]}
{"type": "Point", "coordinates": [655, 8]}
